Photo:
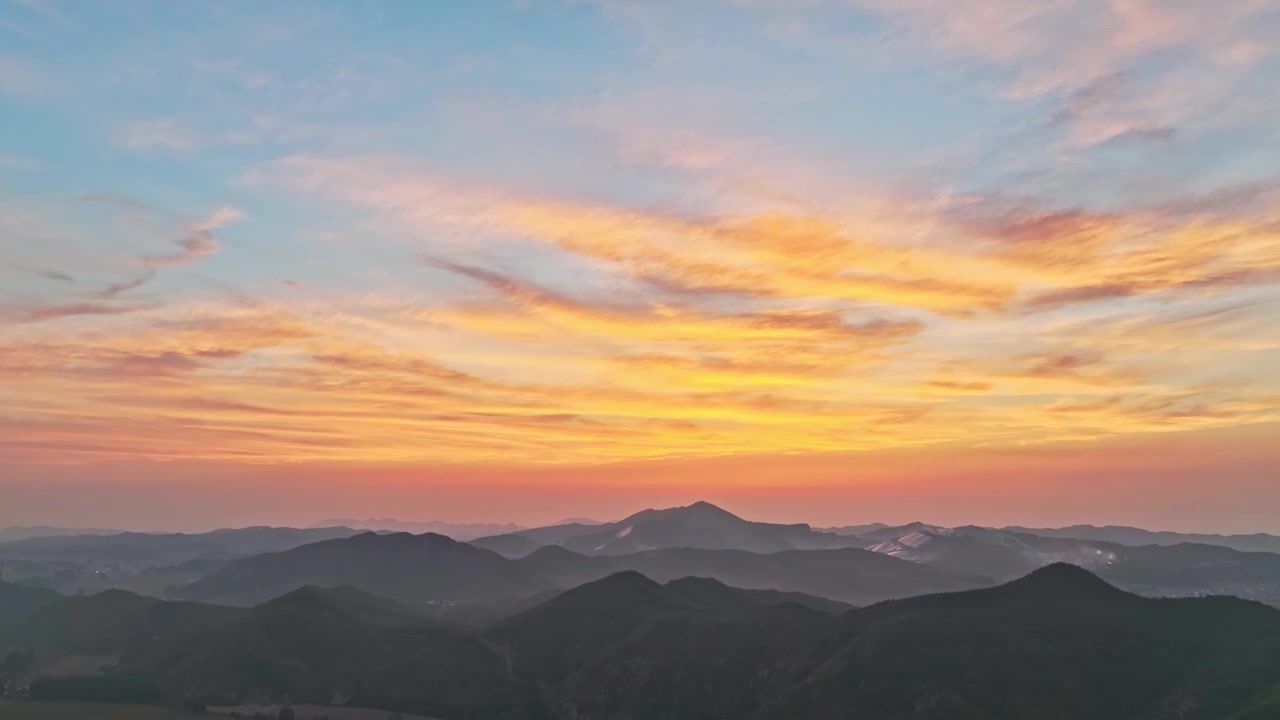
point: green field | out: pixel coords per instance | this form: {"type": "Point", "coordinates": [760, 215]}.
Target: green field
{"type": "Point", "coordinates": [22, 710]}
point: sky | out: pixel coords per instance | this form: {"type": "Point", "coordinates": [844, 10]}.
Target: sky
{"type": "Point", "coordinates": [838, 261]}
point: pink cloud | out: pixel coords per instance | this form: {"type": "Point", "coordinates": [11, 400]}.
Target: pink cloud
{"type": "Point", "coordinates": [196, 246]}
{"type": "Point", "coordinates": [1065, 44]}
{"type": "Point", "coordinates": [199, 242]}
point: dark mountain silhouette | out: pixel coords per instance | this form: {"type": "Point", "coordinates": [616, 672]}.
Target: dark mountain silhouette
{"type": "Point", "coordinates": [971, 550]}
{"type": "Point", "coordinates": [700, 525]}
{"type": "Point", "coordinates": [419, 569]}
{"type": "Point", "coordinates": [711, 594]}
{"type": "Point", "coordinates": [1122, 535]}
{"type": "Point", "coordinates": [19, 600]}
{"type": "Point", "coordinates": [151, 549]}
{"type": "Point", "coordinates": [894, 562]}
{"type": "Point", "coordinates": [317, 645]}
{"type": "Point", "coordinates": [400, 566]}
{"type": "Point", "coordinates": [512, 545]}
{"type": "Point", "coordinates": [700, 664]}
{"type": "Point", "coordinates": [1190, 569]}
{"type": "Point", "coordinates": [523, 542]}
{"type": "Point", "coordinates": [548, 642]}
{"type": "Point", "coordinates": [105, 624]}
{"type": "Point", "coordinates": [1057, 644]}
{"type": "Point", "coordinates": [858, 577]}
{"type": "Point", "coordinates": [1185, 569]}
{"type": "Point", "coordinates": [457, 531]}
{"type": "Point", "coordinates": [10, 534]}
{"type": "Point", "coordinates": [854, 529]}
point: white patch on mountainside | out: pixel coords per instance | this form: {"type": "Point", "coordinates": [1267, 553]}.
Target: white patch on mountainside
{"type": "Point", "coordinates": [926, 543]}
{"type": "Point", "coordinates": [625, 532]}
{"type": "Point", "coordinates": [888, 547]}
{"type": "Point", "coordinates": [915, 540]}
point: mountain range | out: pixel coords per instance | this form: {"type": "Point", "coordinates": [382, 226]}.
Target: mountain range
{"type": "Point", "coordinates": [1121, 535]}
{"type": "Point", "coordinates": [494, 574]}
{"type": "Point", "coordinates": [1057, 644]}
{"type": "Point", "coordinates": [687, 612]}
{"type": "Point", "coordinates": [457, 531]}
{"type": "Point", "coordinates": [432, 569]}
{"type": "Point", "coordinates": [1183, 569]}
{"type": "Point", "coordinates": [977, 554]}
{"type": "Point", "coordinates": [700, 525]}
{"type": "Point", "coordinates": [10, 534]}
{"type": "Point", "coordinates": [152, 549]}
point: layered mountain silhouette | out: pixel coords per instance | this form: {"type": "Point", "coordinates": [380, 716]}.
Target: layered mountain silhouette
{"type": "Point", "coordinates": [318, 644]}
{"type": "Point", "coordinates": [1057, 644]}
{"type": "Point", "coordinates": [428, 568]}
{"type": "Point", "coordinates": [150, 549]}
{"type": "Point", "coordinates": [457, 531]}
{"type": "Point", "coordinates": [497, 575]}
{"type": "Point", "coordinates": [19, 600]}
{"type": "Point", "coordinates": [401, 566]}
{"type": "Point", "coordinates": [1122, 535]}
{"type": "Point", "coordinates": [1180, 570]}
{"type": "Point", "coordinates": [851, 575]}
{"type": "Point", "coordinates": [980, 551]}
{"type": "Point", "coordinates": [108, 623]}
{"type": "Point", "coordinates": [11, 534]}
{"type": "Point", "coordinates": [700, 525]}
{"type": "Point", "coordinates": [703, 540]}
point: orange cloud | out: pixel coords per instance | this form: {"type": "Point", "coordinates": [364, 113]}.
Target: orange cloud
{"type": "Point", "coordinates": [778, 327]}
{"type": "Point", "coordinates": [292, 384]}
{"type": "Point", "coordinates": [957, 255]}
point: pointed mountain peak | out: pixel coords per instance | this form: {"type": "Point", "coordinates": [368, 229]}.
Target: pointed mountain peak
{"type": "Point", "coordinates": [694, 582]}
{"type": "Point", "coordinates": [625, 580]}
{"type": "Point", "coordinates": [701, 510]}
{"type": "Point", "coordinates": [436, 539]}
{"type": "Point", "coordinates": [920, 526]}
{"type": "Point", "coordinates": [626, 588]}
{"type": "Point", "coordinates": [115, 595]}
{"type": "Point", "coordinates": [314, 596]}
{"type": "Point", "coordinates": [702, 506]}
{"type": "Point", "coordinates": [1063, 578]}
{"type": "Point", "coordinates": [341, 600]}
{"type": "Point", "coordinates": [549, 552]}
{"type": "Point", "coordinates": [309, 593]}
